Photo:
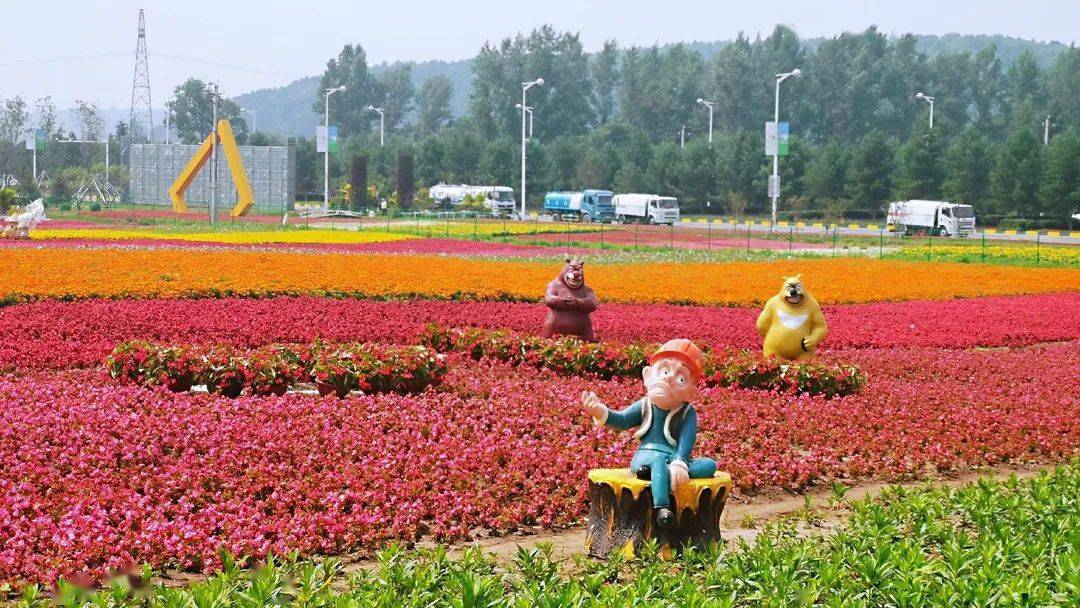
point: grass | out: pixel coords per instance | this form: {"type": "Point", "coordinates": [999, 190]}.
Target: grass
{"type": "Point", "coordinates": [991, 543]}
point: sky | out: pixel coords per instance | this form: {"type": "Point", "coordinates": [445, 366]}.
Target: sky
{"type": "Point", "coordinates": [84, 49]}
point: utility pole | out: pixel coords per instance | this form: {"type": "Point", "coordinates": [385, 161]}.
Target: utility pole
{"type": "Point", "coordinates": [682, 137]}
{"type": "Point", "coordinates": [213, 161]}
{"type": "Point", "coordinates": [1046, 131]}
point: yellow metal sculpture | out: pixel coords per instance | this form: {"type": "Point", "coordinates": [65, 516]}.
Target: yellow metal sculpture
{"type": "Point", "coordinates": [245, 199]}
{"type": "Point", "coordinates": [792, 323]}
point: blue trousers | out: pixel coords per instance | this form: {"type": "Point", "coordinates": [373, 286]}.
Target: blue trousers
{"type": "Point", "coordinates": [658, 461]}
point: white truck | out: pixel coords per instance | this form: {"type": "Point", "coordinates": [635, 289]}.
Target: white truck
{"type": "Point", "coordinates": [499, 200]}
{"type": "Point", "coordinates": [931, 217]}
{"type": "Point", "coordinates": [650, 208]}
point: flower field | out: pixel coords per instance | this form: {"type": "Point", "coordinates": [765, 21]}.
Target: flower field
{"type": "Point", "coordinates": [965, 365]}
{"type": "Point", "coordinates": [99, 475]}
{"type": "Point", "coordinates": [60, 335]}
{"type": "Point", "coordinates": [1062, 255]}
{"type": "Point", "coordinates": [31, 274]}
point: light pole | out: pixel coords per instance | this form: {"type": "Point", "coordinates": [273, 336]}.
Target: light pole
{"type": "Point", "coordinates": [382, 124]}
{"type": "Point", "coordinates": [525, 86]}
{"type": "Point", "coordinates": [708, 104]}
{"type": "Point", "coordinates": [930, 100]}
{"type": "Point", "coordinates": [682, 137]}
{"type": "Point", "coordinates": [326, 160]}
{"type": "Point", "coordinates": [254, 124]}
{"type": "Point", "coordinates": [776, 157]}
{"type": "Point", "coordinates": [529, 111]}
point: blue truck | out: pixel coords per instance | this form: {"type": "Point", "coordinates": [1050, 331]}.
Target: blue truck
{"type": "Point", "coordinates": [586, 206]}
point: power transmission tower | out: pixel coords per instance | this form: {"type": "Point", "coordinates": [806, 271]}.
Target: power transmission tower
{"type": "Point", "coordinates": [141, 121]}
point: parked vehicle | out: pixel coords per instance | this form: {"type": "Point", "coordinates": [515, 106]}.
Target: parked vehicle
{"type": "Point", "coordinates": [648, 208]}
{"type": "Point", "coordinates": [499, 200]}
{"type": "Point", "coordinates": [932, 217]}
{"type": "Point", "coordinates": [587, 206]}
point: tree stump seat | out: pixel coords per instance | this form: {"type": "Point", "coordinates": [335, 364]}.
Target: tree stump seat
{"type": "Point", "coordinates": [621, 517]}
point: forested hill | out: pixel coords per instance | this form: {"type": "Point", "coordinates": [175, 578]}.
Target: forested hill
{"type": "Point", "coordinates": [288, 109]}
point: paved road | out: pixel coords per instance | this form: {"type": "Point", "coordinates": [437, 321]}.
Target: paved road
{"type": "Point", "coordinates": [1050, 238]}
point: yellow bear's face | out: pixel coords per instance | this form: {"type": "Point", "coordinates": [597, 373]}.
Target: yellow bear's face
{"type": "Point", "coordinates": [792, 290]}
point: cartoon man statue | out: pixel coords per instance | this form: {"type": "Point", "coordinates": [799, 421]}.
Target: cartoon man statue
{"type": "Point", "coordinates": [666, 421]}
{"type": "Point", "coordinates": [570, 302]}
{"type": "Point", "coordinates": [792, 323]}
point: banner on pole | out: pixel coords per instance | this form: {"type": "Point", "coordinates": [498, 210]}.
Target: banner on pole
{"type": "Point", "coordinates": [332, 139]}
{"type": "Point", "coordinates": [783, 130]}
{"type": "Point", "coordinates": [774, 186]}
{"type": "Point", "coordinates": [320, 139]}
{"type": "Point", "coordinates": [770, 138]}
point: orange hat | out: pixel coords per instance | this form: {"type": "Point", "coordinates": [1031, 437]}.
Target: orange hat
{"type": "Point", "coordinates": [685, 351]}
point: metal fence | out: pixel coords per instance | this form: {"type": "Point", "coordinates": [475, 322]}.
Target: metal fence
{"type": "Point", "coordinates": [271, 171]}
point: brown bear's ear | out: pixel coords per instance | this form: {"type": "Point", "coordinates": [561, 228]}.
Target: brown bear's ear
{"type": "Point", "coordinates": [567, 260]}
{"type": "Point", "coordinates": [798, 276]}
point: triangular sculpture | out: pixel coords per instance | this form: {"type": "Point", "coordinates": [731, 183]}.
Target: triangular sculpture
{"type": "Point", "coordinates": [245, 199]}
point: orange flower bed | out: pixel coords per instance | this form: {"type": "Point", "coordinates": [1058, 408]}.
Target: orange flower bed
{"type": "Point", "coordinates": [31, 274]}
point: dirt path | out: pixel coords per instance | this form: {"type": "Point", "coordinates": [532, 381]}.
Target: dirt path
{"type": "Point", "coordinates": [743, 516]}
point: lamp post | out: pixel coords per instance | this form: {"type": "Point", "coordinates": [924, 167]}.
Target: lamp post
{"type": "Point", "coordinates": [528, 111]}
{"type": "Point", "coordinates": [708, 104]}
{"type": "Point", "coordinates": [776, 157]}
{"type": "Point", "coordinates": [254, 119]}
{"type": "Point", "coordinates": [930, 100]}
{"type": "Point", "coordinates": [525, 86]}
{"type": "Point", "coordinates": [326, 159]}
{"type": "Point", "coordinates": [382, 124]}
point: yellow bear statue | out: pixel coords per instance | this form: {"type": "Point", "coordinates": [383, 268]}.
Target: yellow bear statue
{"type": "Point", "coordinates": [792, 323]}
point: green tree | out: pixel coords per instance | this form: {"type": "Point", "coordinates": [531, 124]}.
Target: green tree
{"type": "Point", "coordinates": [1059, 191]}
{"type": "Point", "coordinates": [968, 163]}
{"type": "Point", "coordinates": [870, 173]}
{"type": "Point", "coordinates": [192, 112]}
{"type": "Point", "coordinates": [1014, 182]}
{"type": "Point", "coordinates": [434, 104]}
{"type": "Point", "coordinates": [395, 92]}
{"type": "Point", "coordinates": [696, 174]}
{"type": "Point", "coordinates": [1061, 87]}
{"type": "Point", "coordinates": [348, 108]}
{"type": "Point", "coordinates": [921, 166]}
{"type": "Point", "coordinates": [604, 71]}
{"type": "Point", "coordinates": [827, 174]}
{"type": "Point", "coordinates": [739, 159]}
{"type": "Point", "coordinates": [658, 90]}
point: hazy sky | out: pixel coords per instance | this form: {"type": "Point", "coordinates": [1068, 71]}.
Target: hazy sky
{"type": "Point", "coordinates": [84, 48]}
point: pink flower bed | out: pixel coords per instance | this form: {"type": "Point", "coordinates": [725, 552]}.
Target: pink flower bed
{"type": "Point", "coordinates": [99, 476]}
{"type": "Point", "coordinates": [50, 335]}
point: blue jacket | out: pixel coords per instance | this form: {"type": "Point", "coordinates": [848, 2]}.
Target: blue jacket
{"type": "Point", "coordinates": [679, 428]}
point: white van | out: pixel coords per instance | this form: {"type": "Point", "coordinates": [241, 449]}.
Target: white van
{"type": "Point", "coordinates": [933, 217]}
{"type": "Point", "coordinates": [651, 208]}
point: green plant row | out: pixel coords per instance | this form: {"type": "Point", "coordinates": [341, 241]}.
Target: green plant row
{"type": "Point", "coordinates": [991, 543]}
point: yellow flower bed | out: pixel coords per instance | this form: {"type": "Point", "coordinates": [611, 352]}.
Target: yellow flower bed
{"type": "Point", "coordinates": [466, 228]}
{"type": "Point", "coordinates": [1061, 255]}
{"type": "Point", "coordinates": [78, 273]}
{"type": "Point", "coordinates": [315, 236]}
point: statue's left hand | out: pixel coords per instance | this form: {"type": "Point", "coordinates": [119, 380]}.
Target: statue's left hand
{"type": "Point", "coordinates": [679, 473]}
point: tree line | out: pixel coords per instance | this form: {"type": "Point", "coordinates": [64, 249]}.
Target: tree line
{"type": "Point", "coordinates": [612, 119]}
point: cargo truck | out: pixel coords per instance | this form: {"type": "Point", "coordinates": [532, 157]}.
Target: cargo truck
{"type": "Point", "coordinates": [499, 200]}
{"type": "Point", "coordinates": [931, 217]}
{"type": "Point", "coordinates": [586, 206]}
{"type": "Point", "coordinates": [648, 208]}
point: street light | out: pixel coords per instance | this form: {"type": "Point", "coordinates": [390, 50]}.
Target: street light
{"type": "Point", "coordinates": [525, 86]}
{"type": "Point", "coordinates": [254, 124]}
{"type": "Point", "coordinates": [326, 163]}
{"type": "Point", "coordinates": [776, 157]}
{"type": "Point", "coordinates": [530, 113]}
{"type": "Point", "coordinates": [708, 104]}
{"type": "Point", "coordinates": [382, 123]}
{"type": "Point", "coordinates": [929, 100]}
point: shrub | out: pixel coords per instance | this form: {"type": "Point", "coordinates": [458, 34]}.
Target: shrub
{"type": "Point", "coordinates": [751, 371]}
{"type": "Point", "coordinates": [149, 364]}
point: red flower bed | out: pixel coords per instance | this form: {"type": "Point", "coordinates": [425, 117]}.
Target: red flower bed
{"type": "Point", "coordinates": [100, 476]}
{"type": "Point", "coordinates": [408, 246]}
{"type": "Point", "coordinates": [51, 335]}
{"type": "Point", "coordinates": [661, 237]}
